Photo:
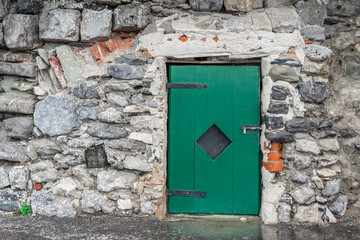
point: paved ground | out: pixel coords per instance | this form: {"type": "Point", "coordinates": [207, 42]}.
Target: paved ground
{"type": "Point", "coordinates": [115, 227]}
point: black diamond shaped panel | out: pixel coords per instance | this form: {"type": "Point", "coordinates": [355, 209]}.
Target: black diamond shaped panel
{"type": "Point", "coordinates": [213, 141]}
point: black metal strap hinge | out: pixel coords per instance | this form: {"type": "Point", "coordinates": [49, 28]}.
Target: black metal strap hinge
{"type": "Point", "coordinates": [186, 193]}
{"type": "Point", "coordinates": [185, 85]}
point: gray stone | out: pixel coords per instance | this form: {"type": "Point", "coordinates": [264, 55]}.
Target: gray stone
{"type": "Point", "coordinates": [18, 177]}
{"type": "Point", "coordinates": [238, 6]}
{"type": "Point", "coordinates": [117, 86]}
{"type": "Point", "coordinates": [148, 208]}
{"type": "Point", "coordinates": [95, 25]}
{"type": "Point", "coordinates": [207, 5]}
{"type": "Point", "coordinates": [273, 122]}
{"type": "Point", "coordinates": [339, 206]}
{"type": "Point", "coordinates": [353, 71]}
{"type": "Point", "coordinates": [325, 172]}
{"type": "Point", "coordinates": [111, 2]}
{"type": "Point", "coordinates": [124, 71]}
{"type": "Point", "coordinates": [137, 163]}
{"type": "Point", "coordinates": [21, 31]}
{"type": "Point", "coordinates": [331, 187]}
{"type": "Point", "coordinates": [95, 157]}
{"type": "Point", "coordinates": [152, 104]}
{"type": "Point", "coordinates": [19, 69]}
{"type": "Point", "coordinates": [92, 201]}
{"type": "Point", "coordinates": [17, 105]}
{"type": "Point", "coordinates": [19, 127]}
{"type": "Point", "coordinates": [283, 20]}
{"type": "Point", "coordinates": [323, 134]}
{"type": "Point", "coordinates": [16, 57]}
{"type": "Point", "coordinates": [317, 53]}
{"type": "Point", "coordinates": [278, 92]}
{"type": "Point", "coordinates": [12, 198]}
{"type": "Point", "coordinates": [348, 133]}
{"type": "Point", "coordinates": [87, 113]}
{"type": "Point", "coordinates": [3, 9]}
{"type": "Point", "coordinates": [47, 175]}
{"type": "Point", "coordinates": [2, 41]}
{"type": "Point", "coordinates": [326, 123]}
{"type": "Point", "coordinates": [117, 99]}
{"type": "Point", "coordinates": [13, 152]}
{"type": "Point", "coordinates": [85, 92]}
{"type": "Point", "coordinates": [66, 210]}
{"type": "Point", "coordinates": [280, 137]}
{"type": "Point", "coordinates": [300, 125]}
{"type": "Point", "coordinates": [318, 182]}
{"type": "Point", "coordinates": [124, 204]}
{"type": "Point", "coordinates": [55, 116]}
{"type": "Point", "coordinates": [312, 92]}
{"type": "Point", "coordinates": [42, 65]}
{"type": "Point", "coordinates": [302, 194]}
{"type": "Point", "coordinates": [311, 13]}
{"type": "Point", "coordinates": [112, 115]}
{"type": "Point", "coordinates": [280, 108]}
{"type": "Point", "coordinates": [66, 187]}
{"type": "Point", "coordinates": [103, 130]}
{"type": "Point", "coordinates": [284, 73]}
{"type": "Point", "coordinates": [112, 180]}
{"type": "Point", "coordinates": [45, 147]}
{"type": "Point", "coordinates": [81, 142]}
{"type": "Point", "coordinates": [137, 98]}
{"type": "Point", "coordinates": [60, 25]}
{"type": "Point", "coordinates": [329, 144]}
{"type": "Point", "coordinates": [125, 144]}
{"type": "Point", "coordinates": [299, 177]}
{"type": "Point", "coordinates": [345, 8]}
{"type": "Point", "coordinates": [28, 6]}
{"type": "Point", "coordinates": [308, 214]}
{"type": "Point", "coordinates": [302, 162]}
{"type": "Point", "coordinates": [131, 17]}
{"type": "Point", "coordinates": [70, 63]}
{"type": "Point", "coordinates": [238, 25]}
{"type": "Point", "coordinates": [41, 166]}
{"type": "Point", "coordinates": [314, 33]}
{"type": "Point", "coordinates": [276, 3]}
{"type": "Point", "coordinates": [131, 60]}
{"type": "Point", "coordinates": [284, 211]}
{"type": "Point", "coordinates": [43, 203]}
{"type": "Point", "coordinates": [4, 177]}
{"type": "Point", "coordinates": [307, 146]}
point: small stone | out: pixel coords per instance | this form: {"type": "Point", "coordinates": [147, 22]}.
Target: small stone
{"type": "Point", "coordinates": [87, 113]}
{"type": "Point", "coordinates": [124, 71]}
{"type": "Point", "coordinates": [326, 123]}
{"type": "Point", "coordinates": [43, 203]}
{"type": "Point", "coordinates": [92, 201]}
{"type": "Point", "coordinates": [313, 33]}
{"type": "Point", "coordinates": [323, 134]}
{"type": "Point", "coordinates": [131, 60]}
{"type": "Point", "coordinates": [72, 66]}
{"type": "Point", "coordinates": [55, 116]}
{"type": "Point", "coordinates": [237, 6]}
{"type": "Point", "coordinates": [329, 144]}
{"type": "Point", "coordinates": [273, 122]}
{"type": "Point", "coordinates": [276, 3]}
{"type": "Point", "coordinates": [348, 133]}
{"type": "Point", "coordinates": [142, 137]}
{"type": "Point", "coordinates": [300, 177]}
{"type": "Point", "coordinates": [300, 125]}
{"type": "Point", "coordinates": [134, 109]}
{"type": "Point", "coordinates": [302, 194]}
{"type": "Point", "coordinates": [96, 157]}
{"type": "Point", "coordinates": [280, 137]}
{"type": "Point", "coordinates": [312, 92]}
{"type": "Point", "coordinates": [339, 206]}
{"type": "Point", "coordinates": [4, 177]}
{"type": "Point", "coordinates": [19, 127]}
{"type": "Point", "coordinates": [103, 130]}
{"type": "Point", "coordinates": [308, 214]}
{"type": "Point", "coordinates": [18, 177]}
{"type": "Point", "coordinates": [331, 187]}
{"type": "Point", "coordinates": [118, 86]}
{"type": "Point", "coordinates": [21, 32]}
{"type": "Point", "coordinates": [96, 25]}
{"type": "Point", "coordinates": [303, 145]}
{"type": "Point", "coordinates": [315, 68]}
{"type": "Point", "coordinates": [281, 108]}
{"type": "Point", "coordinates": [283, 21]}
{"type": "Point", "coordinates": [152, 104]}
{"type": "Point", "coordinates": [38, 91]}
{"type": "Point", "coordinates": [311, 13]}
{"type": "Point", "coordinates": [84, 92]}
{"type": "Point", "coordinates": [14, 152]}
{"type": "Point", "coordinates": [318, 182]}
{"type": "Point", "coordinates": [131, 17]}
{"type": "Point", "coordinates": [65, 187]}
{"type": "Point", "coordinates": [278, 92]}
{"type": "Point", "coordinates": [352, 70]}
{"type": "Point", "coordinates": [19, 69]}
{"type": "Point", "coordinates": [117, 99]}
{"type": "Point", "coordinates": [124, 144]}
{"type": "Point", "coordinates": [124, 204]}
{"type": "Point", "coordinates": [60, 25]}
{"type": "Point", "coordinates": [206, 5]}
{"type": "Point", "coordinates": [45, 147]}
{"type": "Point", "coordinates": [66, 210]}
{"type": "Point", "coordinates": [302, 162]}
{"type": "Point", "coordinates": [12, 198]}
{"type": "Point", "coordinates": [112, 115]}
{"type": "Point", "coordinates": [137, 98]}
{"type": "Point", "coordinates": [137, 163]}
{"type": "Point", "coordinates": [28, 6]}
{"type": "Point", "coordinates": [343, 8]}
{"type": "Point", "coordinates": [284, 211]}
{"type": "Point", "coordinates": [109, 180]}
{"type": "Point", "coordinates": [325, 172]}
{"type": "Point", "coordinates": [317, 53]}
{"type": "Point", "coordinates": [284, 73]}
{"type": "Point", "coordinates": [148, 208]}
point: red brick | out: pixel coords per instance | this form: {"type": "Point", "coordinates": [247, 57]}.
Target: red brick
{"type": "Point", "coordinates": [103, 49]}
{"type": "Point", "coordinates": [216, 38]}
{"type": "Point", "coordinates": [55, 64]}
{"type": "Point", "coordinates": [120, 44]}
{"type": "Point", "coordinates": [95, 51]}
{"type": "Point", "coordinates": [127, 42]}
{"type": "Point", "coordinates": [111, 45]}
{"type": "Point", "coordinates": [183, 38]}
{"type": "Point", "coordinates": [124, 34]}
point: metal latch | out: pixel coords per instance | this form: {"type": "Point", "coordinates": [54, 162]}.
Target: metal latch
{"type": "Point", "coordinates": [185, 85]}
{"type": "Point", "coordinates": [185, 193]}
{"type": "Point", "coordinates": [245, 128]}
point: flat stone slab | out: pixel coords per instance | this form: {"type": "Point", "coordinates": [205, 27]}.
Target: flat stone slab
{"type": "Point", "coordinates": [17, 105]}
{"type": "Point", "coordinates": [13, 152]}
{"type": "Point", "coordinates": [19, 69]}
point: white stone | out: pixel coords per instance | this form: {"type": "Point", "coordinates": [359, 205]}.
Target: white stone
{"type": "Point", "coordinates": [325, 172]}
{"type": "Point", "coordinates": [117, 99]}
{"type": "Point", "coordinates": [39, 91]}
{"type": "Point", "coordinates": [309, 214]}
{"type": "Point", "coordinates": [4, 178]}
{"type": "Point", "coordinates": [108, 180]}
{"type": "Point", "coordinates": [303, 145]}
{"type": "Point", "coordinates": [48, 175]}
{"type": "Point", "coordinates": [141, 121]}
{"type": "Point", "coordinates": [18, 177]}
{"type": "Point", "coordinates": [137, 163]}
{"type": "Point", "coordinates": [302, 194]}
{"type": "Point", "coordinates": [81, 142]}
{"type": "Point", "coordinates": [124, 204]}
{"type": "Point", "coordinates": [283, 20]}
{"type": "Point", "coordinates": [142, 137]}
{"type": "Point", "coordinates": [111, 115]}
{"type": "Point", "coordinates": [330, 144]}
{"type": "Point", "coordinates": [66, 187]}
{"type": "Point", "coordinates": [318, 182]}
{"type": "Point", "coordinates": [80, 173]}
{"type": "Point", "coordinates": [148, 208]}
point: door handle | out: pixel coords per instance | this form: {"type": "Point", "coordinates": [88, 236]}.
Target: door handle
{"type": "Point", "coordinates": [245, 128]}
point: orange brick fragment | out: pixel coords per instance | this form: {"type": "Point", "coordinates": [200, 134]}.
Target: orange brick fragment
{"type": "Point", "coordinates": [274, 156]}
{"type": "Point", "coordinates": [216, 38]}
{"type": "Point", "coordinates": [203, 39]}
{"type": "Point", "coordinates": [183, 38]}
{"type": "Point", "coordinates": [127, 42]}
{"type": "Point", "coordinates": [111, 45]}
{"type": "Point", "coordinates": [275, 147]}
{"type": "Point", "coordinates": [120, 44]}
{"type": "Point", "coordinates": [308, 42]}
{"type": "Point", "coordinates": [161, 109]}
{"type": "Point", "coordinates": [124, 34]}
{"type": "Point", "coordinates": [274, 166]}
{"type": "Point", "coordinates": [38, 186]}
{"type": "Point", "coordinates": [95, 51]}
{"type": "Point", "coordinates": [103, 49]}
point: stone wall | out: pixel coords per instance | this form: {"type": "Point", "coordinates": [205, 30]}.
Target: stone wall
{"type": "Point", "coordinates": [83, 102]}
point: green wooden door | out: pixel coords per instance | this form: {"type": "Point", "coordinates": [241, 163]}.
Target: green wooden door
{"type": "Point", "coordinates": [207, 149]}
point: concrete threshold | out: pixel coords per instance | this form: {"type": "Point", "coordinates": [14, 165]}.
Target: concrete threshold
{"type": "Point", "coordinates": [243, 218]}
